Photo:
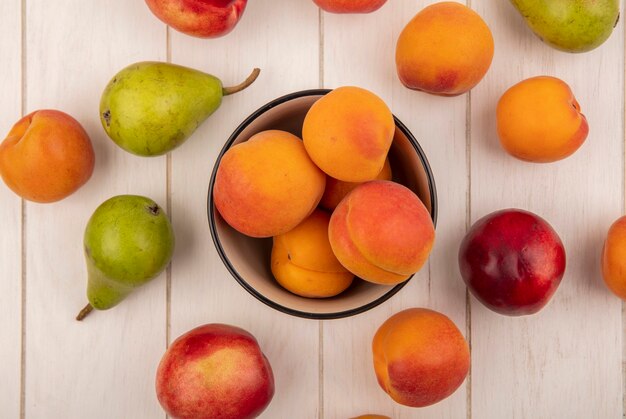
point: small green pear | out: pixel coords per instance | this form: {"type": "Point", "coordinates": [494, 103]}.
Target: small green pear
{"type": "Point", "coordinates": [128, 241]}
{"type": "Point", "coordinates": [570, 25]}
{"type": "Point", "coordinates": [150, 108]}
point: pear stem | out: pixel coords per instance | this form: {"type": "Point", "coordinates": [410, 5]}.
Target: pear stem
{"type": "Point", "coordinates": [84, 312]}
{"type": "Point", "coordinates": [247, 82]}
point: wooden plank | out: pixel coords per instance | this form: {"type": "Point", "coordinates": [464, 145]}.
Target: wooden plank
{"type": "Point", "coordinates": [563, 362]}
{"type": "Point", "coordinates": [10, 213]}
{"type": "Point", "coordinates": [360, 50]}
{"type": "Point", "coordinates": [566, 360]}
{"type": "Point", "coordinates": [280, 37]}
{"type": "Point", "coordinates": [105, 366]}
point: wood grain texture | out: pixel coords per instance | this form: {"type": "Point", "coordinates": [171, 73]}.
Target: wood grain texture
{"type": "Point", "coordinates": [360, 50]}
{"type": "Point", "coordinates": [281, 37]}
{"type": "Point", "coordinates": [10, 214]}
{"type": "Point", "coordinates": [103, 367]}
{"type": "Point", "coordinates": [564, 361]}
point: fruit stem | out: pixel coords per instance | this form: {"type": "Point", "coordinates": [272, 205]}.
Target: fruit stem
{"type": "Point", "coordinates": [247, 82]}
{"type": "Point", "coordinates": [84, 312]}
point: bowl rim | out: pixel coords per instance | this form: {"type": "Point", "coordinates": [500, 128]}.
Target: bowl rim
{"type": "Point", "coordinates": [220, 250]}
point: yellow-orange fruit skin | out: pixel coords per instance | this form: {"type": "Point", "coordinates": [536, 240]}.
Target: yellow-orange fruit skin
{"type": "Point", "coordinates": [539, 120]}
{"type": "Point", "coordinates": [446, 49]}
{"type": "Point", "coordinates": [614, 258]}
{"type": "Point", "coordinates": [349, 254]}
{"type": "Point", "coordinates": [46, 156]}
{"type": "Point", "coordinates": [348, 133]}
{"type": "Point", "coordinates": [267, 185]}
{"type": "Point", "coordinates": [420, 357]}
{"type": "Point", "coordinates": [336, 190]}
{"type": "Point", "coordinates": [372, 417]}
{"type": "Point", "coordinates": [381, 232]}
{"type": "Point", "coordinates": [304, 263]}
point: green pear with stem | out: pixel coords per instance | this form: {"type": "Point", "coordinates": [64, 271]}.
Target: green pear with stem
{"type": "Point", "coordinates": [128, 241]}
{"type": "Point", "coordinates": [150, 108]}
{"type": "Point", "coordinates": [570, 25]}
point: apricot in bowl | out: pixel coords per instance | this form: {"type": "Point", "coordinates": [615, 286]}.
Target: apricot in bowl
{"type": "Point", "coordinates": [249, 259]}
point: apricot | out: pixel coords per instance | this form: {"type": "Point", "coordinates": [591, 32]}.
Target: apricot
{"type": "Point", "coordinates": [539, 120]}
{"type": "Point", "coordinates": [420, 357]}
{"type": "Point", "coordinates": [614, 258]}
{"type": "Point", "coordinates": [372, 417]}
{"type": "Point", "coordinates": [46, 156]}
{"type": "Point", "coordinates": [350, 6]}
{"type": "Point", "coordinates": [446, 50]}
{"type": "Point", "coordinates": [303, 261]}
{"type": "Point", "coordinates": [336, 190]}
{"type": "Point", "coordinates": [348, 133]}
{"type": "Point", "coordinates": [267, 185]}
{"type": "Point", "coordinates": [381, 232]}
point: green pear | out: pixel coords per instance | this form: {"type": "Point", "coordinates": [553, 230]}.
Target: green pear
{"type": "Point", "coordinates": [128, 241]}
{"type": "Point", "coordinates": [150, 108]}
{"type": "Point", "coordinates": [570, 25]}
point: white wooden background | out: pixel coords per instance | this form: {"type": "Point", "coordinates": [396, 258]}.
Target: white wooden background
{"type": "Point", "coordinates": [565, 362]}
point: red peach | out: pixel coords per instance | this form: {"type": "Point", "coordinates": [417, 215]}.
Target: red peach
{"type": "Point", "coordinates": [215, 371]}
{"type": "Point", "coordinates": [201, 18]}
{"type": "Point", "coordinates": [350, 6]}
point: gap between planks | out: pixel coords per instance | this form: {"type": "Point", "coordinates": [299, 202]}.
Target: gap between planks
{"type": "Point", "coordinates": [320, 390]}
{"type": "Point", "coordinates": [168, 206]}
{"type": "Point", "coordinates": [623, 209]}
{"type": "Point", "coordinates": [468, 223]}
{"type": "Point", "coordinates": [23, 110]}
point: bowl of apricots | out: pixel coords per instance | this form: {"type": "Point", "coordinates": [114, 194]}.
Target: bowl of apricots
{"type": "Point", "coordinates": [322, 204]}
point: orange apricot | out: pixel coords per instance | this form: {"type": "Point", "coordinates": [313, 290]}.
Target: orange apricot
{"type": "Point", "coordinates": [348, 133]}
{"type": "Point", "coordinates": [304, 263]}
{"type": "Point", "coordinates": [381, 232]}
{"type": "Point", "coordinates": [420, 357]}
{"type": "Point", "coordinates": [46, 156]}
{"type": "Point", "coordinates": [614, 258]}
{"type": "Point", "coordinates": [539, 120]}
{"type": "Point", "coordinates": [336, 189]}
{"type": "Point", "coordinates": [267, 185]}
{"type": "Point", "coordinates": [446, 49]}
